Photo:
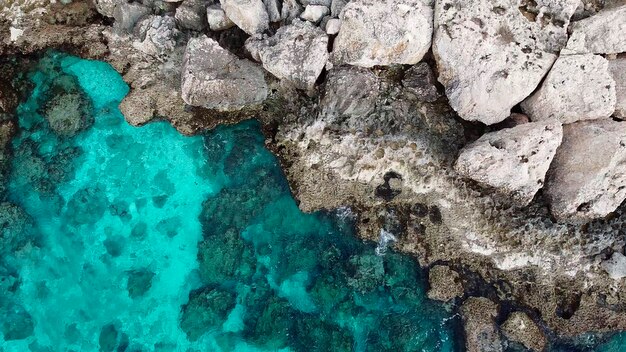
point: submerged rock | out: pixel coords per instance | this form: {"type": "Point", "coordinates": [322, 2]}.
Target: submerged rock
{"type": "Point", "coordinates": [383, 33]}
{"type": "Point", "coordinates": [587, 178]}
{"type": "Point", "coordinates": [578, 87]}
{"type": "Point", "coordinates": [493, 54]}
{"type": "Point", "coordinates": [602, 33]}
{"type": "Point", "coordinates": [249, 15]}
{"type": "Point", "coordinates": [513, 160]}
{"type": "Point", "coordinates": [445, 283]}
{"type": "Point", "coordinates": [17, 323]}
{"type": "Point", "coordinates": [519, 328]}
{"type": "Point", "coordinates": [481, 333]}
{"type": "Point", "coordinates": [617, 68]}
{"type": "Point", "coordinates": [214, 78]}
{"type": "Point", "coordinates": [17, 228]}
{"type": "Point", "coordinates": [69, 113]}
{"type": "Point", "coordinates": [207, 308]}
{"type": "Point", "coordinates": [297, 53]}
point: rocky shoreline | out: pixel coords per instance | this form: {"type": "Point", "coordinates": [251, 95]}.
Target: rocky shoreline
{"type": "Point", "coordinates": [485, 136]}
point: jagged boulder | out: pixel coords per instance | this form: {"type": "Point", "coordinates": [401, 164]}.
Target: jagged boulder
{"type": "Point", "coordinates": [192, 15]}
{"type": "Point", "coordinates": [587, 178]}
{"type": "Point", "coordinates": [617, 68]}
{"type": "Point", "coordinates": [493, 54]}
{"type": "Point", "coordinates": [513, 160]}
{"type": "Point", "coordinates": [520, 328]}
{"type": "Point", "coordinates": [157, 35]}
{"type": "Point", "coordinates": [217, 19]}
{"type": "Point", "coordinates": [126, 15]}
{"type": "Point", "coordinates": [481, 333]}
{"type": "Point", "coordinates": [383, 33]}
{"type": "Point", "coordinates": [602, 33]}
{"type": "Point", "coordinates": [214, 78]}
{"type": "Point", "coordinates": [297, 53]}
{"type": "Point", "coordinates": [578, 87]}
{"type": "Point", "coordinates": [420, 81]}
{"type": "Point", "coordinates": [107, 7]}
{"type": "Point", "coordinates": [249, 15]}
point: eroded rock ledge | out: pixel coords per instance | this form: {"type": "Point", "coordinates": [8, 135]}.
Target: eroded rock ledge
{"type": "Point", "coordinates": [347, 94]}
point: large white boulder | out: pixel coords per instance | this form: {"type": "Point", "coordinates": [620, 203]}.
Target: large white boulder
{"type": "Point", "coordinates": [377, 32]}
{"type": "Point", "coordinates": [297, 53]}
{"type": "Point", "coordinates": [492, 54]}
{"type": "Point", "coordinates": [602, 33]}
{"type": "Point", "coordinates": [587, 178]}
{"type": "Point", "coordinates": [617, 68]}
{"type": "Point", "coordinates": [513, 160]}
{"type": "Point", "coordinates": [249, 15]}
{"type": "Point", "coordinates": [214, 78]}
{"type": "Point", "coordinates": [578, 87]}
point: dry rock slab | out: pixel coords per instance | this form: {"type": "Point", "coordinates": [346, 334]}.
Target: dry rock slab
{"type": "Point", "coordinates": [520, 328]}
{"type": "Point", "coordinates": [383, 33]}
{"type": "Point", "coordinates": [578, 87]}
{"type": "Point", "coordinates": [513, 160]}
{"type": "Point", "coordinates": [445, 283]}
{"type": "Point", "coordinates": [587, 178]}
{"type": "Point", "coordinates": [492, 54]}
{"type": "Point", "coordinates": [297, 53]}
{"type": "Point", "coordinates": [350, 91]}
{"type": "Point", "coordinates": [481, 332]}
{"type": "Point", "coordinates": [249, 15]}
{"type": "Point", "coordinates": [602, 33]}
{"type": "Point", "coordinates": [617, 68]}
{"type": "Point", "coordinates": [214, 78]}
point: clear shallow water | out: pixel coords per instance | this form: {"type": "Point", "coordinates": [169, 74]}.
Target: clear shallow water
{"type": "Point", "coordinates": [141, 239]}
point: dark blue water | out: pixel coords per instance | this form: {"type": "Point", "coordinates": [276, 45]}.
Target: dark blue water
{"type": "Point", "coordinates": [141, 239]}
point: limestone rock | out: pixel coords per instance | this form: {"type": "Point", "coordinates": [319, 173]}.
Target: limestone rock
{"type": "Point", "coordinates": [291, 9]}
{"type": "Point", "coordinates": [513, 160]}
{"type": "Point", "coordinates": [218, 21]}
{"type": "Point", "coordinates": [481, 333]}
{"type": "Point", "coordinates": [336, 6]}
{"type": "Point", "coordinates": [107, 7]}
{"type": "Point", "coordinates": [445, 283]}
{"type": "Point", "coordinates": [249, 15]}
{"type": "Point", "coordinates": [616, 266]}
{"type": "Point", "coordinates": [519, 328]}
{"type": "Point", "coordinates": [602, 33]}
{"type": "Point", "coordinates": [587, 178]}
{"type": "Point", "coordinates": [332, 26]}
{"type": "Point", "coordinates": [350, 91]}
{"type": "Point", "coordinates": [617, 68]}
{"type": "Point", "coordinates": [273, 10]}
{"type": "Point", "coordinates": [192, 15]}
{"type": "Point", "coordinates": [421, 82]}
{"type": "Point", "coordinates": [578, 87]}
{"type": "Point", "coordinates": [314, 13]}
{"type": "Point", "coordinates": [8, 97]}
{"type": "Point", "coordinates": [157, 35]}
{"type": "Point", "coordinates": [493, 54]}
{"type": "Point", "coordinates": [296, 53]}
{"type": "Point", "coordinates": [214, 78]}
{"type": "Point", "coordinates": [383, 33]}
{"type": "Point", "coordinates": [128, 14]}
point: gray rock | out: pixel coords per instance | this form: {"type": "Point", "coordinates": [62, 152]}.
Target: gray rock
{"type": "Point", "coordinates": [350, 91]}
{"type": "Point", "coordinates": [192, 15]}
{"type": "Point", "coordinates": [445, 283]}
{"type": "Point", "coordinates": [492, 54]}
{"type": "Point", "coordinates": [519, 328]}
{"type": "Point", "coordinates": [297, 53]}
{"type": "Point", "coordinates": [157, 35]}
{"type": "Point", "coordinates": [273, 8]}
{"type": "Point", "coordinates": [615, 267]}
{"type": "Point", "coordinates": [249, 15]}
{"type": "Point", "coordinates": [68, 114]}
{"type": "Point", "coordinates": [578, 87]}
{"type": "Point", "coordinates": [513, 160]}
{"type": "Point", "coordinates": [383, 33]}
{"type": "Point", "coordinates": [336, 6]}
{"type": "Point", "coordinates": [314, 13]}
{"type": "Point", "coordinates": [481, 333]}
{"type": "Point", "coordinates": [107, 7]}
{"type": "Point", "coordinates": [332, 26]}
{"type": "Point", "coordinates": [421, 82]}
{"type": "Point", "coordinates": [214, 78]}
{"type": "Point", "coordinates": [316, 2]}
{"type": "Point", "coordinates": [218, 21]}
{"type": "Point", "coordinates": [602, 33]}
{"type": "Point", "coordinates": [127, 15]}
{"type": "Point", "coordinates": [617, 68]}
{"type": "Point", "coordinates": [587, 178]}
{"type": "Point", "coordinates": [291, 9]}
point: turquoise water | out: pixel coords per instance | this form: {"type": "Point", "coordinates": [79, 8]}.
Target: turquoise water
{"type": "Point", "coordinates": [141, 239]}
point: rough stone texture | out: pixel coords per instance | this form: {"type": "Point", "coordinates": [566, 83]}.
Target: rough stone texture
{"type": "Point", "coordinates": [383, 33]}
{"type": "Point", "coordinates": [617, 68]}
{"type": "Point", "coordinates": [8, 97]}
{"type": "Point", "coordinates": [273, 8]}
{"type": "Point", "coordinates": [192, 15]}
{"type": "Point", "coordinates": [587, 178]}
{"type": "Point", "coordinates": [249, 15]}
{"type": "Point", "coordinates": [214, 78]}
{"type": "Point", "coordinates": [615, 266]}
{"type": "Point", "coordinates": [297, 53]}
{"type": "Point", "coordinates": [513, 160]}
{"type": "Point", "coordinates": [578, 87]}
{"type": "Point", "coordinates": [291, 9]}
{"type": "Point", "coordinates": [481, 333]}
{"type": "Point", "coordinates": [336, 6]}
{"type": "Point", "coordinates": [445, 283]}
{"type": "Point", "coordinates": [519, 328]}
{"type": "Point", "coordinates": [350, 91]}
{"type": "Point", "coordinates": [107, 7]}
{"type": "Point", "coordinates": [218, 21]}
{"type": "Point", "coordinates": [157, 35]}
{"type": "Point", "coordinates": [492, 54]}
{"type": "Point", "coordinates": [314, 13]}
{"type": "Point", "coordinates": [333, 26]}
{"type": "Point", "coordinates": [420, 81]}
{"type": "Point", "coordinates": [602, 33]}
{"type": "Point", "coordinates": [126, 15]}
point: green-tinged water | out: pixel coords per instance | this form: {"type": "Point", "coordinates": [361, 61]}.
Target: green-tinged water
{"type": "Point", "coordinates": [141, 239]}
